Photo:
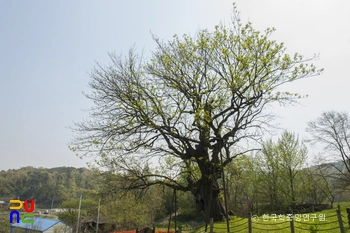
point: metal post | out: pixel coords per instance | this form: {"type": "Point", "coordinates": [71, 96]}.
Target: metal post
{"type": "Point", "coordinates": [291, 224]}
{"type": "Point", "coordinates": [340, 220]}
{"type": "Point", "coordinates": [53, 198]}
{"type": "Point", "coordinates": [172, 205]}
{"type": "Point", "coordinates": [175, 207]}
{"type": "Point", "coordinates": [348, 216]}
{"type": "Point", "coordinates": [211, 225]}
{"type": "Point", "coordinates": [225, 194]}
{"type": "Point", "coordinates": [98, 215]}
{"type": "Point", "coordinates": [250, 227]}
{"type": "Point", "coordinates": [78, 224]}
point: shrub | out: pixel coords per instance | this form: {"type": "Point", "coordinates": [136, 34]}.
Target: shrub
{"type": "Point", "coordinates": [313, 229]}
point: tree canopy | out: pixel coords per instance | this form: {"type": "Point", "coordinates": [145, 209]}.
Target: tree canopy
{"type": "Point", "coordinates": [332, 129]}
{"type": "Point", "coordinates": [193, 100]}
{"type": "Point", "coordinates": [49, 187]}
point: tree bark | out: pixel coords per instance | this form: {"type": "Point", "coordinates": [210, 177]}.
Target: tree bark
{"type": "Point", "coordinates": [210, 204]}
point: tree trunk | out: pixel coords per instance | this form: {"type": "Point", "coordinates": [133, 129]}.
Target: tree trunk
{"type": "Point", "coordinates": [203, 199]}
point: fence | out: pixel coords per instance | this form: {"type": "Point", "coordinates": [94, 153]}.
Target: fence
{"type": "Point", "coordinates": [145, 230]}
{"type": "Point", "coordinates": [290, 224]}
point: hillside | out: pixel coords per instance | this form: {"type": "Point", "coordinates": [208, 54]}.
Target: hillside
{"type": "Point", "coordinates": [47, 186]}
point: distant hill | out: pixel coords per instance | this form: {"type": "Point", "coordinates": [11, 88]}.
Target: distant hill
{"type": "Point", "coordinates": [48, 186]}
{"type": "Point", "coordinates": [332, 167]}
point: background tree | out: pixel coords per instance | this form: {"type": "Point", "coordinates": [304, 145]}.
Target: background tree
{"type": "Point", "coordinates": [270, 170]}
{"type": "Point", "coordinates": [71, 208]}
{"type": "Point", "coordinates": [332, 129]}
{"type": "Point", "coordinates": [292, 154]}
{"type": "Point", "coordinates": [318, 185]}
{"type": "Point", "coordinates": [195, 98]}
{"type": "Point", "coordinates": [5, 225]}
{"type": "Point", "coordinates": [243, 184]}
{"type": "Point", "coordinates": [281, 172]}
{"type": "Point", "coordinates": [47, 186]}
{"type": "Point", "coordinates": [127, 212]}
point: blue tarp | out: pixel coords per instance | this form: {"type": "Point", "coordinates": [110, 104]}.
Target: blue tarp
{"type": "Point", "coordinates": [40, 224]}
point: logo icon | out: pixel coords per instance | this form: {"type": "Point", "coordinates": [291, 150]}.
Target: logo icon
{"type": "Point", "coordinates": [28, 212]}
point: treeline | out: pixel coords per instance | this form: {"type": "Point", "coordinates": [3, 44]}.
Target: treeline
{"type": "Point", "coordinates": [62, 187]}
{"type": "Point", "coordinates": [277, 180]}
{"type": "Point", "coordinates": [47, 186]}
{"type": "Point", "coordinates": [273, 180]}
{"type": "Point", "coordinates": [129, 210]}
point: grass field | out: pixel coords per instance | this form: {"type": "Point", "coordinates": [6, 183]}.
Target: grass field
{"type": "Point", "coordinates": [323, 221]}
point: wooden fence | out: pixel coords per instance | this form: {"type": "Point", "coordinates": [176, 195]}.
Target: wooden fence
{"type": "Point", "coordinates": [254, 226]}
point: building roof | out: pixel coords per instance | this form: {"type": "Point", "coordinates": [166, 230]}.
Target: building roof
{"type": "Point", "coordinates": [40, 224]}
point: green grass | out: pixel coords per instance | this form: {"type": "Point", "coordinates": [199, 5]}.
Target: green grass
{"type": "Point", "coordinates": [304, 223]}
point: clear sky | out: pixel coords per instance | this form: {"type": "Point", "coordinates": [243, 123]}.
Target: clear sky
{"type": "Point", "coordinates": [47, 49]}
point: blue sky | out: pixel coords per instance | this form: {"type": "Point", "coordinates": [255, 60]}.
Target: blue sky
{"type": "Point", "coordinates": [47, 49]}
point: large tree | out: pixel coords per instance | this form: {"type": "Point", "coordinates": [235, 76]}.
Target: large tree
{"type": "Point", "coordinates": [192, 101]}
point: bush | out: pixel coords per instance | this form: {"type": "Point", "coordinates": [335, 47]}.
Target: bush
{"type": "Point", "coordinates": [313, 229]}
